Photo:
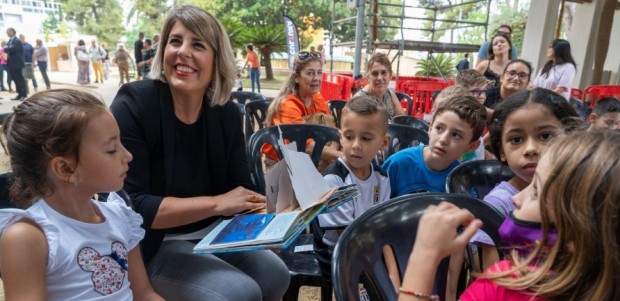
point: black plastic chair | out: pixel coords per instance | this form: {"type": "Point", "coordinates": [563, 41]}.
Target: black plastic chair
{"type": "Point", "coordinates": [477, 178]}
{"type": "Point", "coordinates": [255, 117]}
{"type": "Point", "coordinates": [404, 137]}
{"type": "Point", "coordinates": [297, 132]}
{"type": "Point", "coordinates": [403, 96]}
{"type": "Point", "coordinates": [243, 97]}
{"type": "Point", "coordinates": [411, 121]}
{"type": "Point", "coordinates": [335, 108]}
{"type": "Point", "coordinates": [304, 270]}
{"type": "Point", "coordinates": [394, 223]}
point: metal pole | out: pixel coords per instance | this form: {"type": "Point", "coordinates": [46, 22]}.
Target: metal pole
{"type": "Point", "coordinates": [359, 34]}
{"type": "Point", "coordinates": [331, 39]}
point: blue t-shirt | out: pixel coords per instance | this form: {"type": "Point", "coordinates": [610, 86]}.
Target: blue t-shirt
{"type": "Point", "coordinates": [483, 53]}
{"type": "Point", "coordinates": [409, 174]}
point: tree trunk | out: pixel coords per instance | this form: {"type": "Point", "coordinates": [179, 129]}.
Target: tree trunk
{"type": "Point", "coordinates": [602, 41]}
{"type": "Point", "coordinates": [267, 62]}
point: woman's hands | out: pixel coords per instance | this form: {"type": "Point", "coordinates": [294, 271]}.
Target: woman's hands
{"type": "Point", "coordinates": [238, 200]}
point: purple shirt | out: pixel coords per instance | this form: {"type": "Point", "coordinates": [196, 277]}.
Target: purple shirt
{"type": "Point", "coordinates": [500, 198]}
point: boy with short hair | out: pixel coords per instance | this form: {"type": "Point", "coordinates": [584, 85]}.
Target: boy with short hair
{"type": "Point", "coordinates": [363, 133]}
{"type": "Point", "coordinates": [475, 83]}
{"type": "Point", "coordinates": [456, 127]}
{"type": "Point", "coordinates": [605, 114]}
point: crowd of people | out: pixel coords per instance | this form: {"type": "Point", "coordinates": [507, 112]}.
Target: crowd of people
{"type": "Point", "coordinates": [174, 143]}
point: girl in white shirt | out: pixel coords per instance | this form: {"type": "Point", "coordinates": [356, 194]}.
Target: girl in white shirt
{"type": "Point", "coordinates": [64, 147]}
{"type": "Point", "coordinates": [559, 71]}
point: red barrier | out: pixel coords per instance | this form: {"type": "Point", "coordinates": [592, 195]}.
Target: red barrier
{"type": "Point", "coordinates": [576, 93]}
{"type": "Point", "coordinates": [593, 94]}
{"type": "Point", "coordinates": [336, 86]}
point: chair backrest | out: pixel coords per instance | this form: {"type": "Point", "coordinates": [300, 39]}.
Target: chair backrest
{"type": "Point", "coordinates": [477, 178]}
{"type": "Point", "coordinates": [411, 121]}
{"type": "Point", "coordinates": [402, 137]}
{"type": "Point", "coordinates": [299, 133]}
{"type": "Point", "coordinates": [593, 94]}
{"type": "Point", "coordinates": [404, 97]}
{"type": "Point", "coordinates": [335, 108]}
{"type": "Point", "coordinates": [255, 116]}
{"type": "Point", "coordinates": [244, 96]}
{"type": "Point", "coordinates": [394, 223]}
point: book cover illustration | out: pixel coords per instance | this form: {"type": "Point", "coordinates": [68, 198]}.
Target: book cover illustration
{"type": "Point", "coordinates": [243, 228]}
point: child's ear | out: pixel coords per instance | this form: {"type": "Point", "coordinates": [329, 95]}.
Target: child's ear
{"type": "Point", "coordinates": [386, 140]}
{"type": "Point", "coordinates": [63, 169]}
{"type": "Point", "coordinates": [473, 146]}
{"type": "Point", "coordinates": [592, 118]}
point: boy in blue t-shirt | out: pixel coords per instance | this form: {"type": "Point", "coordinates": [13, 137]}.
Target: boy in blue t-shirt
{"type": "Point", "coordinates": [457, 124]}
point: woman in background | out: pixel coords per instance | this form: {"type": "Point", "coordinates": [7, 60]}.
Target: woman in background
{"type": "Point", "coordinates": [83, 65]}
{"type": "Point", "coordinates": [379, 74]}
{"type": "Point", "coordinates": [559, 71]}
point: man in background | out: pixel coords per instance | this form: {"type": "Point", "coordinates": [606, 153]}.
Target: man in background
{"type": "Point", "coordinates": [138, 47]}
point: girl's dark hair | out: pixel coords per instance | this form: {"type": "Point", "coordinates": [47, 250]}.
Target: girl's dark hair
{"type": "Point", "coordinates": [522, 61]}
{"type": "Point", "coordinates": [555, 103]}
{"type": "Point", "coordinates": [561, 48]}
{"type": "Point", "coordinates": [81, 42]}
{"type": "Point", "coordinates": [505, 36]}
{"type": "Point", "coordinates": [48, 124]}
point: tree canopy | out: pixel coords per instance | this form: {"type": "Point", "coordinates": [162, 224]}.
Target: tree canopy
{"type": "Point", "coordinates": [101, 18]}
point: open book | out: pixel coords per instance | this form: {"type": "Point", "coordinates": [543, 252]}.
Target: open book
{"type": "Point", "coordinates": [296, 193]}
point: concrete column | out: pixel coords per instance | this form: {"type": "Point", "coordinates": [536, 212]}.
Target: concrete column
{"type": "Point", "coordinates": [542, 18]}
{"type": "Point", "coordinates": [582, 38]}
{"type": "Point", "coordinates": [613, 61]}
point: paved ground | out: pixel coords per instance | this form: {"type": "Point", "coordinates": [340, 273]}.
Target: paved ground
{"type": "Point", "coordinates": [68, 79]}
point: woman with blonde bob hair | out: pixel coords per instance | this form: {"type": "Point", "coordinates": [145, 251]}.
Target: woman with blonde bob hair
{"type": "Point", "coordinates": [575, 193]}
{"type": "Point", "coordinates": [189, 166]}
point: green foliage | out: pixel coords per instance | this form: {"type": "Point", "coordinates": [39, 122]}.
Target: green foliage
{"type": "Point", "coordinates": [517, 19]}
{"type": "Point", "coordinates": [444, 62]}
{"type": "Point", "coordinates": [101, 18]}
{"type": "Point", "coordinates": [237, 32]}
{"type": "Point", "coordinates": [267, 39]}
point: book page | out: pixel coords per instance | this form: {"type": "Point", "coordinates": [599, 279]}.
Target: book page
{"type": "Point", "coordinates": [243, 228]}
{"type": "Point", "coordinates": [278, 227]}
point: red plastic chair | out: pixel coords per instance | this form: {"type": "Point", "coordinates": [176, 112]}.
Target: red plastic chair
{"type": "Point", "coordinates": [594, 93]}
{"type": "Point", "coordinates": [576, 93]}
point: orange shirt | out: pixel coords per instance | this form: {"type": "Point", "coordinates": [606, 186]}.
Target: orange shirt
{"type": "Point", "coordinates": [291, 110]}
{"type": "Point", "coordinates": [252, 58]}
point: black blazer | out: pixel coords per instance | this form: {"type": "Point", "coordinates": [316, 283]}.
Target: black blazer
{"type": "Point", "coordinates": [145, 115]}
{"type": "Point", "coordinates": [15, 53]}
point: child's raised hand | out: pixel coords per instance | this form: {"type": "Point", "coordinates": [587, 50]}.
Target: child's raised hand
{"type": "Point", "coordinates": [238, 200]}
{"type": "Point", "coordinates": [437, 234]}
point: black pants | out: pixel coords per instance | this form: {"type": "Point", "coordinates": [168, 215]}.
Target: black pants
{"type": "Point", "coordinates": [18, 78]}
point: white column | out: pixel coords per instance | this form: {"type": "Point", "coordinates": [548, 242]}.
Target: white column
{"type": "Point", "coordinates": [613, 60]}
{"type": "Point", "coordinates": [542, 18]}
{"type": "Point", "coordinates": [582, 38]}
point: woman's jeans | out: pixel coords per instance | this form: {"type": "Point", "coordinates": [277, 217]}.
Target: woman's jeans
{"type": "Point", "coordinates": [255, 78]}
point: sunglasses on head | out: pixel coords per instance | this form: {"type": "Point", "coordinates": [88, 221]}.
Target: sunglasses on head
{"type": "Point", "coordinates": [304, 55]}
